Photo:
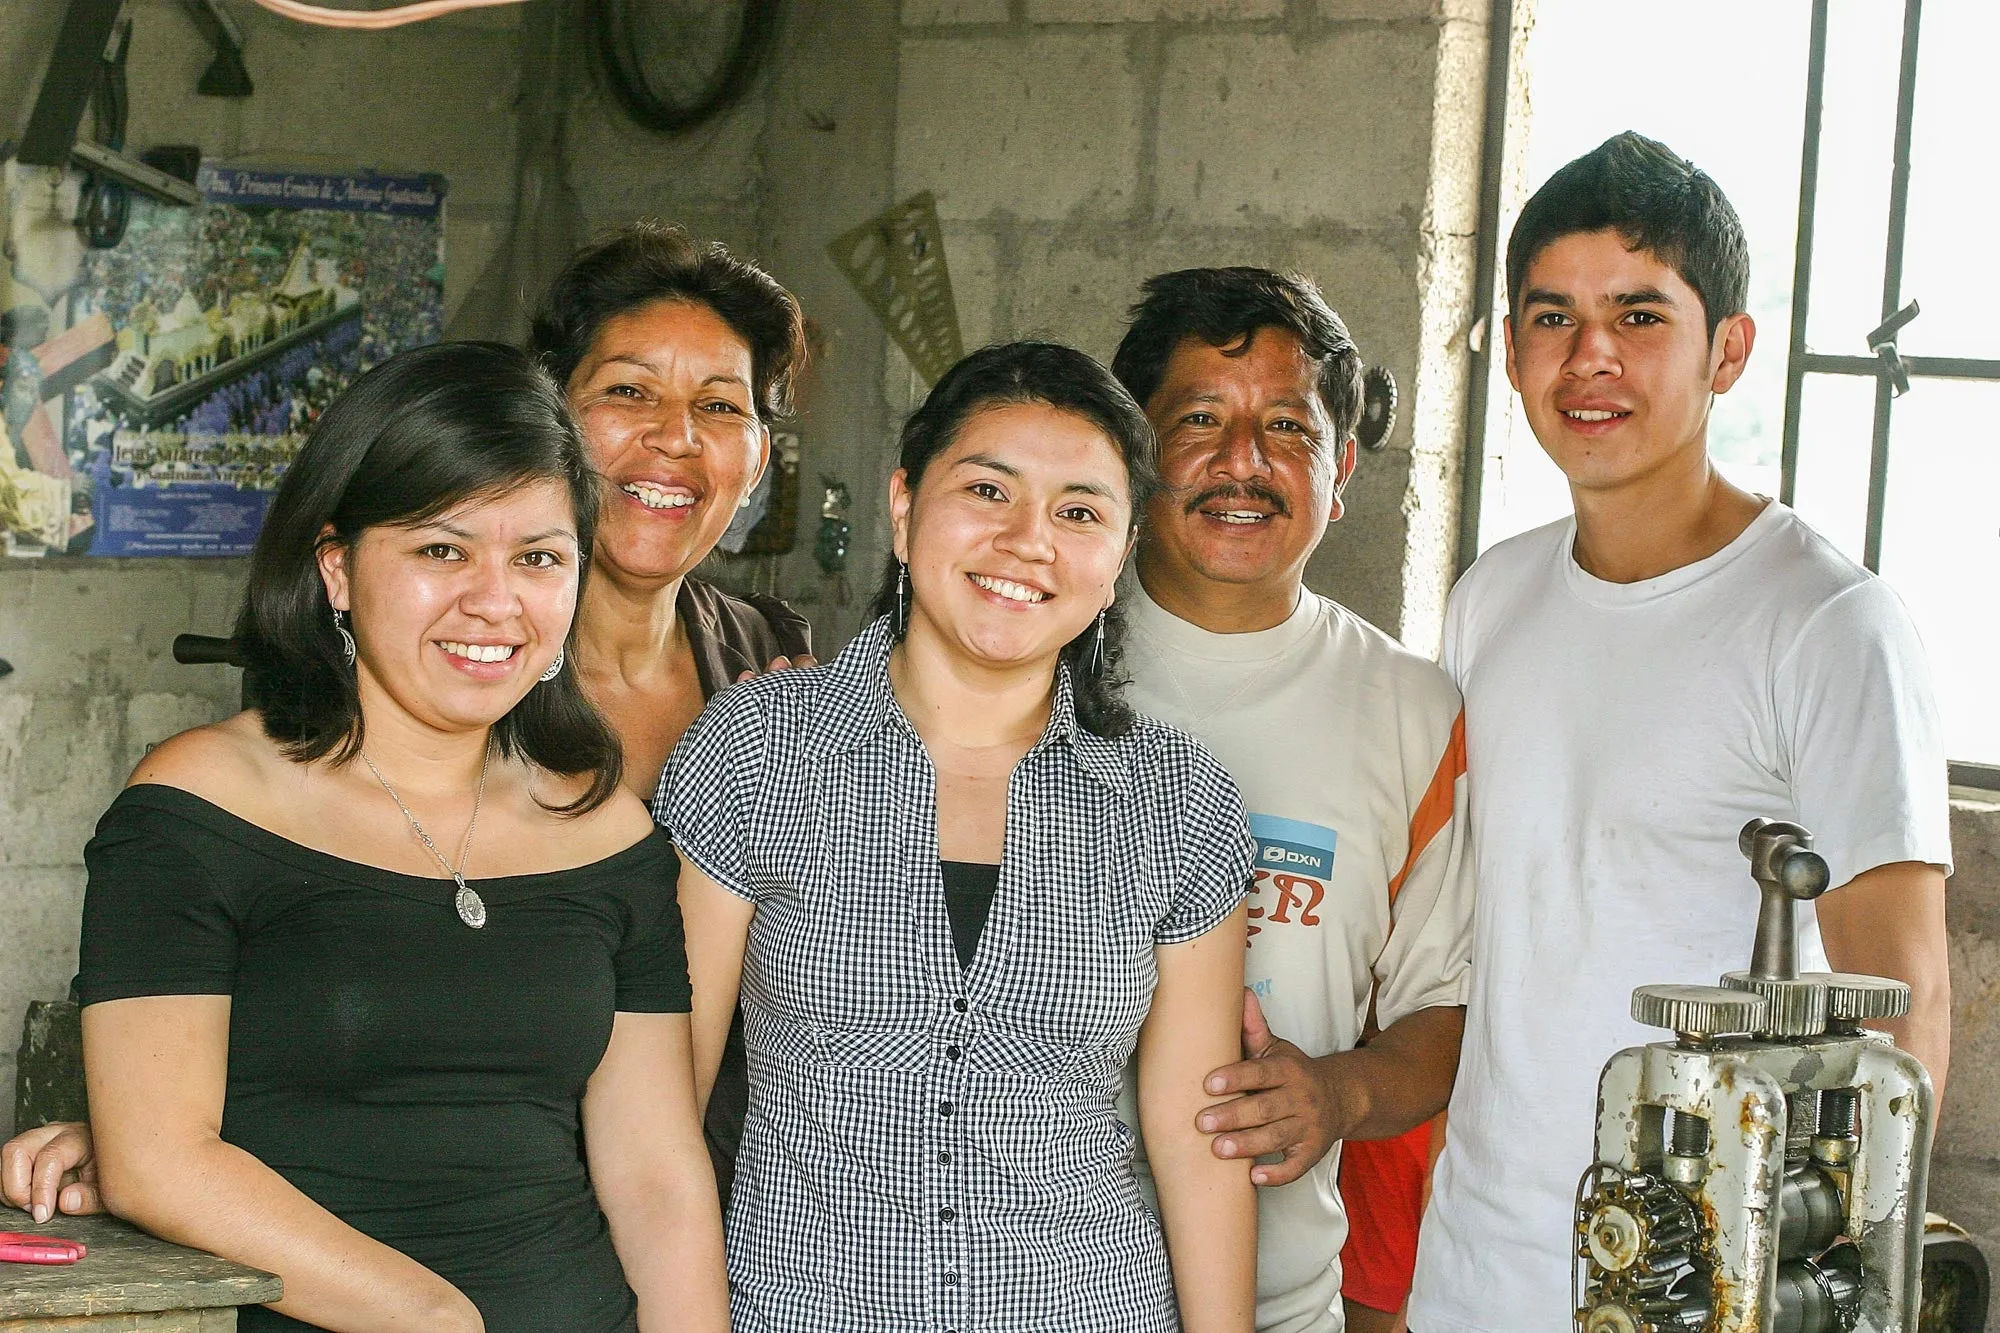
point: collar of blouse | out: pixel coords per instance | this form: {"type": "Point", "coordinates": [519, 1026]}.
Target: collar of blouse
{"type": "Point", "coordinates": [855, 704]}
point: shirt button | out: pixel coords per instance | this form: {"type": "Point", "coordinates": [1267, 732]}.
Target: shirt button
{"type": "Point", "coordinates": [959, 1005]}
{"type": "Point", "coordinates": [944, 1157]}
{"type": "Point", "coordinates": [946, 1214]}
{"type": "Point", "coordinates": [952, 1052]}
{"type": "Point", "coordinates": [951, 1279]}
{"type": "Point", "coordinates": [944, 1108]}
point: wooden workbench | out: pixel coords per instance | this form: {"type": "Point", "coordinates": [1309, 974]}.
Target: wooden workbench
{"type": "Point", "coordinates": [129, 1282]}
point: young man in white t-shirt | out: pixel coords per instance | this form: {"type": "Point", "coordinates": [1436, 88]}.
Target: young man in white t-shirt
{"type": "Point", "coordinates": [1641, 680]}
{"type": "Point", "coordinates": [1348, 750]}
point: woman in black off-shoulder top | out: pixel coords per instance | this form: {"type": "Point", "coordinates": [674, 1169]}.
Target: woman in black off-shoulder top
{"type": "Point", "coordinates": [384, 982]}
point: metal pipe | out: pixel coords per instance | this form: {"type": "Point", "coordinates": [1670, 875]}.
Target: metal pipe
{"type": "Point", "coordinates": [1802, 254]}
{"type": "Point", "coordinates": [1492, 161]}
{"type": "Point", "coordinates": [1892, 278]}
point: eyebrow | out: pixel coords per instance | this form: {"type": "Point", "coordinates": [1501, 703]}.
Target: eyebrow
{"type": "Point", "coordinates": [1009, 470]}
{"type": "Point", "coordinates": [1562, 300]}
{"type": "Point", "coordinates": [453, 530]}
{"type": "Point", "coordinates": [627, 359]}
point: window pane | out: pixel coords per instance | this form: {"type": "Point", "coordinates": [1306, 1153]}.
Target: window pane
{"type": "Point", "coordinates": [1857, 149]}
{"type": "Point", "coordinates": [1835, 431]}
{"type": "Point", "coordinates": [1941, 547]}
{"type": "Point", "coordinates": [1764, 65]}
{"type": "Point", "coordinates": [1948, 265]}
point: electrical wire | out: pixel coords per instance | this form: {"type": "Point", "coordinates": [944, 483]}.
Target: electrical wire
{"type": "Point", "coordinates": [624, 70]}
{"type": "Point", "coordinates": [371, 20]}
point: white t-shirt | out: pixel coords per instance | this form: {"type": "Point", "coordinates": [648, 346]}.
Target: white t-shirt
{"type": "Point", "coordinates": [1621, 735]}
{"type": "Point", "coordinates": [1350, 755]}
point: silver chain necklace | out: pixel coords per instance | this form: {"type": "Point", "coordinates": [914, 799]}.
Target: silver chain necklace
{"type": "Point", "coordinates": [471, 907]}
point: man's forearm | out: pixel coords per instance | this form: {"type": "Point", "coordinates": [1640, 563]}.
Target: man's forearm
{"type": "Point", "coordinates": [1400, 1079]}
{"type": "Point", "coordinates": [1889, 922]}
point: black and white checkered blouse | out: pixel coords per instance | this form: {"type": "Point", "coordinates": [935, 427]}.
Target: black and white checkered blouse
{"type": "Point", "coordinates": [929, 1147]}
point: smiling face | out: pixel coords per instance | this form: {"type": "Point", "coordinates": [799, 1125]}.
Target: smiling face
{"type": "Point", "coordinates": [1610, 351]}
{"type": "Point", "coordinates": [1015, 536]}
{"type": "Point", "coordinates": [666, 403]}
{"type": "Point", "coordinates": [1253, 473]}
{"type": "Point", "coordinates": [455, 618]}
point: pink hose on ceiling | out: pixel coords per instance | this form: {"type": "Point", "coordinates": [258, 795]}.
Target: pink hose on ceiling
{"type": "Point", "coordinates": [372, 19]}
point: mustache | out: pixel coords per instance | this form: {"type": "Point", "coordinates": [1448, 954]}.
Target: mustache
{"type": "Point", "coordinates": [1241, 490]}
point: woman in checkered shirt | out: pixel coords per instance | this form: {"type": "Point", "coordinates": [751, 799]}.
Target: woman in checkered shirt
{"type": "Point", "coordinates": [931, 1141]}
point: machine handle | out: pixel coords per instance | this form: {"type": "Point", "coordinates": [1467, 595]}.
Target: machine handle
{"type": "Point", "coordinates": [1787, 870]}
{"type": "Point", "coordinates": [203, 649]}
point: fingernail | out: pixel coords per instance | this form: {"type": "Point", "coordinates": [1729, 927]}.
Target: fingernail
{"type": "Point", "coordinates": [1227, 1147]}
{"type": "Point", "coordinates": [1207, 1123]}
{"type": "Point", "coordinates": [41, 1212]}
{"type": "Point", "coordinates": [1258, 1178]}
{"type": "Point", "coordinates": [1215, 1085]}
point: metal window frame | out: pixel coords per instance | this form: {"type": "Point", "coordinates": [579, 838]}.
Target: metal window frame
{"type": "Point", "coordinates": [1485, 279]}
{"type": "Point", "coordinates": [1883, 367]}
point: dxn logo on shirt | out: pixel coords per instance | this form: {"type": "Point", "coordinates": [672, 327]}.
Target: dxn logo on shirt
{"type": "Point", "coordinates": [1293, 867]}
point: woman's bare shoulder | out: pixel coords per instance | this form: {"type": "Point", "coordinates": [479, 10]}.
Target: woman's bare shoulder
{"type": "Point", "coordinates": [228, 763]}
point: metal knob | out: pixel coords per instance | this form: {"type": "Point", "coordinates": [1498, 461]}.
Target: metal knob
{"type": "Point", "coordinates": [1855, 997]}
{"type": "Point", "coordinates": [1699, 1012]}
{"type": "Point", "coordinates": [1787, 870]}
{"type": "Point", "coordinates": [1797, 1008]}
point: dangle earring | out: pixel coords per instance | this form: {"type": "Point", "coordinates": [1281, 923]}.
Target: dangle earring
{"type": "Point", "coordinates": [555, 667]}
{"type": "Point", "coordinates": [346, 639]}
{"type": "Point", "coordinates": [902, 599]}
{"type": "Point", "coordinates": [1095, 664]}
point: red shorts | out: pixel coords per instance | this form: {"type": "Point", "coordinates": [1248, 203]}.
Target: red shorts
{"type": "Point", "coordinates": [1382, 1185]}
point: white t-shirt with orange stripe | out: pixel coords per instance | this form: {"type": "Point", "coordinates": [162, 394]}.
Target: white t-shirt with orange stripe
{"type": "Point", "coordinates": [1350, 753]}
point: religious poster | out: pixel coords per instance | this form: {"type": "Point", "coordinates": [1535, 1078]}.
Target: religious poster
{"type": "Point", "coordinates": [152, 394]}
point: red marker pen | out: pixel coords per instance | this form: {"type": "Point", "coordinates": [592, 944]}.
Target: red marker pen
{"type": "Point", "coordinates": [21, 1247]}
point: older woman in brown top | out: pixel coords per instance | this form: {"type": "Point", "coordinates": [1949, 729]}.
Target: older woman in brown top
{"type": "Point", "coordinates": [675, 359]}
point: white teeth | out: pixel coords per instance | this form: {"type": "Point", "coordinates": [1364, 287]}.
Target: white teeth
{"type": "Point", "coordinates": [1592, 415]}
{"type": "Point", "coordinates": [480, 652]}
{"type": "Point", "coordinates": [1240, 516]}
{"type": "Point", "coordinates": [653, 497]}
{"type": "Point", "coordinates": [1013, 592]}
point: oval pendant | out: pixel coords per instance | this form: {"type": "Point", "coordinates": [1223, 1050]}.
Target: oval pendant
{"type": "Point", "coordinates": [471, 907]}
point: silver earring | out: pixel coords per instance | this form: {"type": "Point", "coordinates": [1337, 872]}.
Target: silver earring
{"type": "Point", "coordinates": [346, 639]}
{"type": "Point", "coordinates": [902, 598]}
{"type": "Point", "coordinates": [1096, 663]}
{"type": "Point", "coordinates": [555, 667]}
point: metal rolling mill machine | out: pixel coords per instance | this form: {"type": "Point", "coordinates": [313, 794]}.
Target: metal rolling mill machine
{"type": "Point", "coordinates": [1766, 1170]}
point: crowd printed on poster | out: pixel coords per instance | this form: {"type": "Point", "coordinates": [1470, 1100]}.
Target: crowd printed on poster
{"type": "Point", "coordinates": [153, 394]}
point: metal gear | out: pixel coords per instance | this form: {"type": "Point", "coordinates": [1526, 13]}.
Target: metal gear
{"type": "Point", "coordinates": [1640, 1244]}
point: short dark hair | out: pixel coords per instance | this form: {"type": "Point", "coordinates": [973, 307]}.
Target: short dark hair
{"type": "Point", "coordinates": [426, 430]}
{"type": "Point", "coordinates": [1069, 381]}
{"type": "Point", "coordinates": [1654, 199]}
{"type": "Point", "coordinates": [644, 262]}
{"type": "Point", "coordinates": [1225, 307]}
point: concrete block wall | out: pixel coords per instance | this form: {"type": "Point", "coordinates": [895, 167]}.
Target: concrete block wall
{"type": "Point", "coordinates": [1965, 1170]}
{"type": "Point", "coordinates": [1078, 146]}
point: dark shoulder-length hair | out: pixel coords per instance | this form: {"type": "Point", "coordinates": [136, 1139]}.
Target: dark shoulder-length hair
{"type": "Point", "coordinates": [424, 431]}
{"type": "Point", "coordinates": [643, 262]}
{"type": "Point", "coordinates": [1069, 381]}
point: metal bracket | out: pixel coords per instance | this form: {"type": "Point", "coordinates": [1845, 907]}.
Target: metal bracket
{"type": "Point", "coordinates": [226, 75]}
{"type": "Point", "coordinates": [1882, 342]}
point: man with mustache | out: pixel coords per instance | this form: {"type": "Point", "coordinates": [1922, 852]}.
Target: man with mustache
{"type": "Point", "coordinates": [1349, 752]}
